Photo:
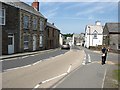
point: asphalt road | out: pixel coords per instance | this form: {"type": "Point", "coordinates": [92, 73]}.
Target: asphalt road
{"type": "Point", "coordinates": [44, 74]}
{"type": "Point", "coordinates": [28, 60]}
{"type": "Point", "coordinates": [91, 74]}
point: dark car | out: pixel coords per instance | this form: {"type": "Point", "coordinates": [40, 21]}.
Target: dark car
{"type": "Point", "coordinates": [65, 46]}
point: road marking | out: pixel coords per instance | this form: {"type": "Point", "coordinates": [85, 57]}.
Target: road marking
{"type": "Point", "coordinates": [89, 59]}
{"type": "Point", "coordinates": [10, 59]}
{"type": "Point", "coordinates": [104, 78]}
{"type": "Point", "coordinates": [25, 57]}
{"type": "Point", "coordinates": [83, 63]}
{"type": "Point", "coordinates": [17, 68]}
{"type": "Point", "coordinates": [69, 68]}
{"type": "Point", "coordinates": [45, 81]}
{"type": "Point", "coordinates": [32, 55]}
{"type": "Point", "coordinates": [37, 62]}
{"type": "Point", "coordinates": [38, 85]}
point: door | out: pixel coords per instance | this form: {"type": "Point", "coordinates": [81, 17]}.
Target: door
{"type": "Point", "coordinates": [34, 43]}
{"type": "Point", "coordinates": [10, 43]}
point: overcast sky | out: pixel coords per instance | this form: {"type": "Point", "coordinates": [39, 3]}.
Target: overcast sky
{"type": "Point", "coordinates": [72, 17]}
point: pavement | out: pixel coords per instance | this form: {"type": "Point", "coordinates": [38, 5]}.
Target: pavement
{"type": "Point", "coordinates": [91, 74]}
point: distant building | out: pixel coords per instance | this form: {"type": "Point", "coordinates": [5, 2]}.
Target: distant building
{"type": "Point", "coordinates": [93, 35]}
{"type": "Point", "coordinates": [111, 35]}
{"type": "Point", "coordinates": [78, 39]}
{"type": "Point", "coordinates": [61, 39]}
{"type": "Point", "coordinates": [22, 27]}
{"type": "Point", "coordinates": [52, 36]}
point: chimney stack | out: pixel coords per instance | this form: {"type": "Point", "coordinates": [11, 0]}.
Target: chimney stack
{"type": "Point", "coordinates": [35, 5]}
{"type": "Point", "coordinates": [52, 23]}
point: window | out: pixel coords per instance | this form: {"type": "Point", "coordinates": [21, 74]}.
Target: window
{"type": "Point", "coordinates": [41, 41]}
{"type": "Point", "coordinates": [118, 46]}
{"type": "Point", "coordinates": [34, 24]}
{"type": "Point", "coordinates": [2, 16]}
{"type": "Point", "coordinates": [26, 42]}
{"type": "Point", "coordinates": [41, 25]}
{"type": "Point", "coordinates": [10, 42]}
{"type": "Point", "coordinates": [26, 22]}
{"type": "Point", "coordinates": [95, 34]}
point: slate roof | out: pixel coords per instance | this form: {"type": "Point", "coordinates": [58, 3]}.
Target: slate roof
{"type": "Point", "coordinates": [21, 5]}
{"type": "Point", "coordinates": [51, 25]}
{"type": "Point", "coordinates": [113, 27]}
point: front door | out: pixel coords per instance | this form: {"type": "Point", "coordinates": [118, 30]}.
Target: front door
{"type": "Point", "coordinates": [34, 43]}
{"type": "Point", "coordinates": [10, 43]}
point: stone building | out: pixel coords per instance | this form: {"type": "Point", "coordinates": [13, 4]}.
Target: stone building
{"type": "Point", "coordinates": [23, 27]}
{"type": "Point", "coordinates": [52, 36]}
{"type": "Point", "coordinates": [111, 36]}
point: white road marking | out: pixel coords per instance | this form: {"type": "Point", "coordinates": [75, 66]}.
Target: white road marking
{"type": "Point", "coordinates": [10, 59]}
{"type": "Point", "coordinates": [37, 62]}
{"type": "Point", "coordinates": [25, 57]}
{"type": "Point", "coordinates": [69, 68]}
{"type": "Point", "coordinates": [89, 59]}
{"type": "Point", "coordinates": [32, 55]}
{"type": "Point", "coordinates": [104, 78]}
{"type": "Point", "coordinates": [38, 85]}
{"type": "Point", "coordinates": [1, 60]}
{"type": "Point", "coordinates": [83, 63]}
{"type": "Point", "coordinates": [17, 68]}
{"type": "Point", "coordinates": [53, 78]}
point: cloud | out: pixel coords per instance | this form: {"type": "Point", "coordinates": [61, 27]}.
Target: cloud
{"type": "Point", "coordinates": [51, 13]}
{"type": "Point", "coordinates": [89, 11]}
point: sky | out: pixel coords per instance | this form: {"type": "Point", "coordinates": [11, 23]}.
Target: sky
{"type": "Point", "coordinates": [72, 17]}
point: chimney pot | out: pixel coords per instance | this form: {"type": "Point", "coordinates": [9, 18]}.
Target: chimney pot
{"type": "Point", "coordinates": [35, 5]}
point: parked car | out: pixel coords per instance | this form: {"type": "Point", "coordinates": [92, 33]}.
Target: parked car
{"type": "Point", "coordinates": [65, 46]}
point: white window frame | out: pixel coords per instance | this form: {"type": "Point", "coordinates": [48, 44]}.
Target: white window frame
{"type": "Point", "coordinates": [2, 17]}
{"type": "Point", "coordinates": [95, 35]}
{"type": "Point", "coordinates": [41, 41]}
{"type": "Point", "coordinates": [118, 46]}
{"type": "Point", "coordinates": [26, 41]}
{"type": "Point", "coordinates": [25, 22]}
{"type": "Point", "coordinates": [41, 25]}
{"type": "Point", "coordinates": [34, 24]}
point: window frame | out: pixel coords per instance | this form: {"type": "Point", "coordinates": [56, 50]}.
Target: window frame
{"type": "Point", "coordinates": [26, 41]}
{"type": "Point", "coordinates": [35, 23]}
{"type": "Point", "coordinates": [3, 17]}
{"type": "Point", "coordinates": [41, 41]}
{"type": "Point", "coordinates": [95, 35]}
{"type": "Point", "coordinates": [25, 22]}
{"type": "Point", "coordinates": [41, 25]}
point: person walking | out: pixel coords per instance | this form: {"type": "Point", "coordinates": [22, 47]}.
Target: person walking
{"type": "Point", "coordinates": [104, 55]}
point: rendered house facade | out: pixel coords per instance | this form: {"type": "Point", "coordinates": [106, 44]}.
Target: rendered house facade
{"type": "Point", "coordinates": [93, 35]}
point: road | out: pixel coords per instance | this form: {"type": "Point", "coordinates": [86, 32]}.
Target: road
{"type": "Point", "coordinates": [42, 70]}
{"type": "Point", "coordinates": [91, 74]}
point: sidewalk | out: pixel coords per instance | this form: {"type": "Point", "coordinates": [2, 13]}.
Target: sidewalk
{"type": "Point", "coordinates": [88, 76]}
{"type": "Point", "coordinates": [25, 54]}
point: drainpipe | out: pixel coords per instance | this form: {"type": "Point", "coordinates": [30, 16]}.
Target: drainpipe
{"type": "Point", "coordinates": [89, 37]}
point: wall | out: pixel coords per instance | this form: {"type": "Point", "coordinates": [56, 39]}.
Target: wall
{"type": "Point", "coordinates": [11, 26]}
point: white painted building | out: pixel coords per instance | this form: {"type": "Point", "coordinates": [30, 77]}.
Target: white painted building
{"type": "Point", "coordinates": [61, 39]}
{"type": "Point", "coordinates": [93, 35]}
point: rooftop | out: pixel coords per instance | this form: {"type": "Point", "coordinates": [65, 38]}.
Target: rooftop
{"type": "Point", "coordinates": [21, 5]}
